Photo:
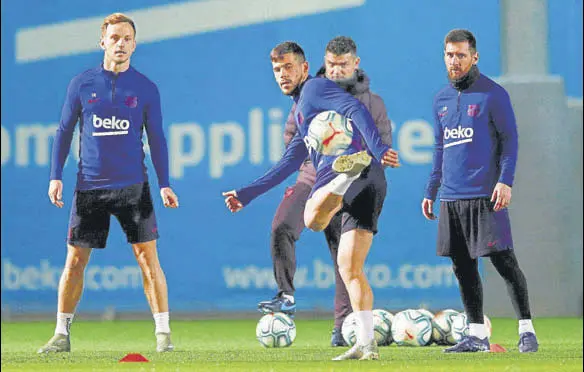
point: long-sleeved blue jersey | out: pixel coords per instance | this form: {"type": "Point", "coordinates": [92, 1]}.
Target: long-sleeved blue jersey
{"type": "Point", "coordinates": [314, 96]}
{"type": "Point", "coordinates": [113, 110]}
{"type": "Point", "coordinates": [475, 141]}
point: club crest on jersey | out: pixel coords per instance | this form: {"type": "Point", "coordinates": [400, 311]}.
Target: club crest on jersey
{"type": "Point", "coordinates": [131, 101]}
{"type": "Point", "coordinates": [473, 110]}
{"type": "Point", "coordinates": [443, 111]}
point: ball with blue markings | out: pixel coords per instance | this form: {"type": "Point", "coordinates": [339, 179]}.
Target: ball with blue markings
{"type": "Point", "coordinates": [411, 328]}
{"type": "Point", "coordinates": [276, 330]}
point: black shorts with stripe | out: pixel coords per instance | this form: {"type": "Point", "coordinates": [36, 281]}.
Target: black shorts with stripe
{"type": "Point", "coordinates": [473, 225]}
{"type": "Point", "coordinates": [91, 211]}
{"type": "Point", "coordinates": [363, 201]}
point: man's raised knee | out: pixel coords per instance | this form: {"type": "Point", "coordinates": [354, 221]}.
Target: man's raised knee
{"type": "Point", "coordinates": [314, 224]}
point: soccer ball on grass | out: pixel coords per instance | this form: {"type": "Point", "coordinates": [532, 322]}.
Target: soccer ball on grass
{"type": "Point", "coordinates": [411, 328]}
{"type": "Point", "coordinates": [276, 330]}
{"type": "Point", "coordinates": [442, 327]}
{"type": "Point", "coordinates": [381, 328]}
{"type": "Point", "coordinates": [460, 327]}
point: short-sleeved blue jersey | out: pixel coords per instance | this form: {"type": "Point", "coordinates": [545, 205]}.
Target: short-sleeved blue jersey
{"type": "Point", "coordinates": [113, 110]}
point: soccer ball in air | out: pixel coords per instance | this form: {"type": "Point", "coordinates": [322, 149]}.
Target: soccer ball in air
{"type": "Point", "coordinates": [411, 328]}
{"type": "Point", "coordinates": [442, 327]}
{"type": "Point", "coordinates": [329, 133]}
{"type": "Point", "coordinates": [276, 330]}
{"type": "Point", "coordinates": [381, 328]}
{"type": "Point", "coordinates": [460, 327]}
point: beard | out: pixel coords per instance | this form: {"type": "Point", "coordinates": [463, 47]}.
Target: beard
{"type": "Point", "coordinates": [347, 82]}
{"type": "Point", "coordinates": [466, 80]}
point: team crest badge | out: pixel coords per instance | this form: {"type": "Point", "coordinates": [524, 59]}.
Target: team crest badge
{"type": "Point", "coordinates": [443, 111]}
{"type": "Point", "coordinates": [131, 101]}
{"type": "Point", "coordinates": [473, 110]}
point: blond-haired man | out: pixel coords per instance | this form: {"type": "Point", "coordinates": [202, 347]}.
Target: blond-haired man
{"type": "Point", "coordinates": [114, 104]}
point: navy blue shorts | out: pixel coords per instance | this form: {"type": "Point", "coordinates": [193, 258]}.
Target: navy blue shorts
{"type": "Point", "coordinates": [363, 201]}
{"type": "Point", "coordinates": [473, 225]}
{"type": "Point", "coordinates": [91, 210]}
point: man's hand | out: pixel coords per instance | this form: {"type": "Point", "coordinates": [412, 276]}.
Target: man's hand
{"type": "Point", "coordinates": [501, 196]}
{"type": "Point", "coordinates": [56, 193]}
{"type": "Point", "coordinates": [428, 209]}
{"type": "Point", "coordinates": [231, 201]}
{"type": "Point", "coordinates": [391, 159]}
{"type": "Point", "coordinates": [169, 198]}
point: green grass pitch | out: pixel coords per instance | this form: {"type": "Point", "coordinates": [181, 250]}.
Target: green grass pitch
{"type": "Point", "coordinates": [230, 345]}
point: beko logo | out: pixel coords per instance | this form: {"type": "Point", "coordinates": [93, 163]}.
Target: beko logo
{"type": "Point", "coordinates": [119, 126]}
{"type": "Point", "coordinates": [463, 135]}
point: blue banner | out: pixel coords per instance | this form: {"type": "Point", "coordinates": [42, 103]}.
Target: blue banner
{"type": "Point", "coordinates": [223, 116]}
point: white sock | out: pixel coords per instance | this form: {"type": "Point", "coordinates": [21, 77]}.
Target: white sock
{"type": "Point", "coordinates": [525, 325]}
{"type": "Point", "coordinates": [477, 330]}
{"type": "Point", "coordinates": [161, 320]}
{"type": "Point", "coordinates": [341, 183]}
{"type": "Point", "coordinates": [364, 326]}
{"type": "Point", "coordinates": [288, 297]}
{"type": "Point", "coordinates": [64, 321]}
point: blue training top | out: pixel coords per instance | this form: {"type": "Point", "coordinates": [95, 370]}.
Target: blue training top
{"type": "Point", "coordinates": [314, 96]}
{"type": "Point", "coordinates": [475, 141]}
{"type": "Point", "coordinates": [113, 111]}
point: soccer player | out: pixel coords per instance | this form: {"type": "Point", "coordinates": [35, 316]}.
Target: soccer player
{"type": "Point", "coordinates": [475, 154]}
{"type": "Point", "coordinates": [114, 104]}
{"type": "Point", "coordinates": [341, 65]}
{"type": "Point", "coordinates": [353, 183]}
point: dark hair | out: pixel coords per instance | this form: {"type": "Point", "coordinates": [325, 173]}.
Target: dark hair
{"type": "Point", "coordinates": [285, 48]}
{"type": "Point", "coordinates": [460, 35]}
{"type": "Point", "coordinates": [341, 45]}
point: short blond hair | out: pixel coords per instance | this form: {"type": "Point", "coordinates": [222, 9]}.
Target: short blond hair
{"type": "Point", "coordinates": [115, 18]}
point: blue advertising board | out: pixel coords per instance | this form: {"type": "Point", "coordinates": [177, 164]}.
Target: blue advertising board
{"type": "Point", "coordinates": [223, 117]}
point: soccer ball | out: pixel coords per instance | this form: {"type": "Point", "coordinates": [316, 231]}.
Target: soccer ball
{"type": "Point", "coordinates": [381, 328]}
{"type": "Point", "coordinates": [460, 327]}
{"type": "Point", "coordinates": [382, 320]}
{"type": "Point", "coordinates": [349, 329]}
{"type": "Point", "coordinates": [276, 330]}
{"type": "Point", "coordinates": [442, 327]}
{"type": "Point", "coordinates": [411, 328]}
{"type": "Point", "coordinates": [329, 133]}
{"type": "Point", "coordinates": [427, 313]}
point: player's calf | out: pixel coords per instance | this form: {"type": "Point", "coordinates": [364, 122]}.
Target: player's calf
{"type": "Point", "coordinates": [321, 208]}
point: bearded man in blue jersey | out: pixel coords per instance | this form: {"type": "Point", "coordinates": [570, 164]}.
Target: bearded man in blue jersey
{"type": "Point", "coordinates": [475, 154]}
{"type": "Point", "coordinates": [353, 184]}
{"type": "Point", "coordinates": [114, 104]}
